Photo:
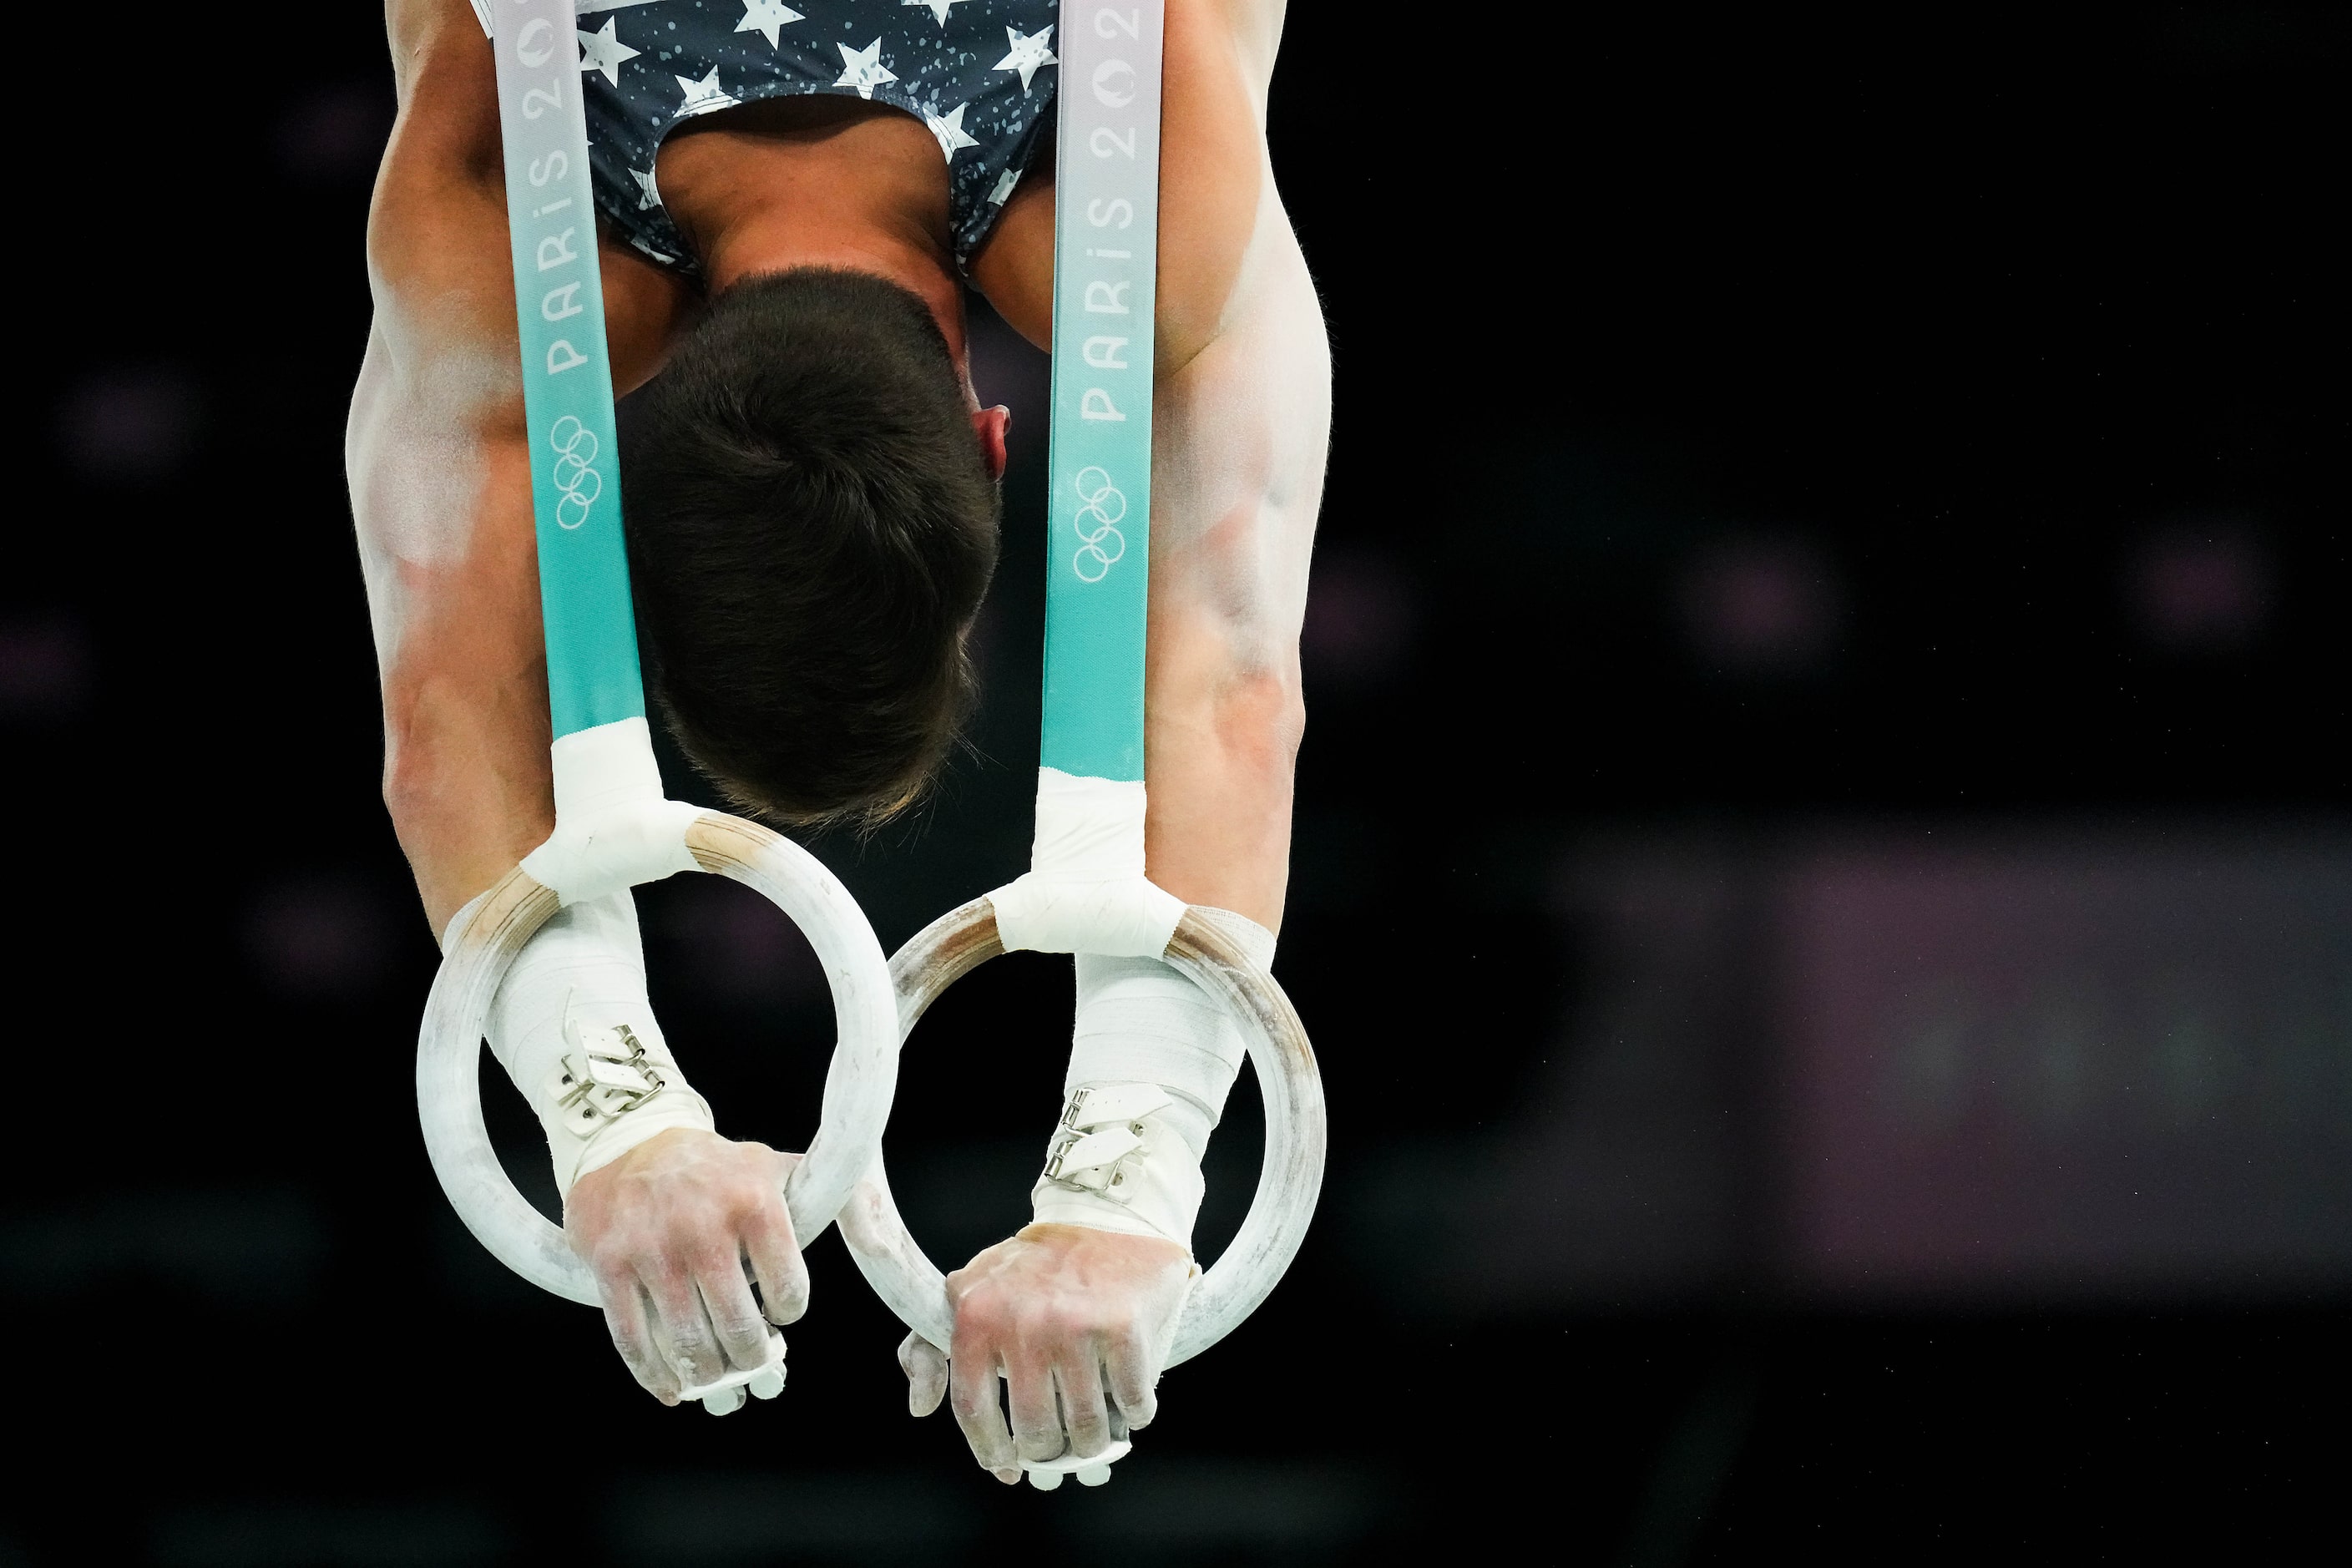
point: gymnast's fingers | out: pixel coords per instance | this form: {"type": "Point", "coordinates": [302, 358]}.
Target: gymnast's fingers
{"type": "Point", "coordinates": [972, 1395]}
{"type": "Point", "coordinates": [927, 1373]}
{"type": "Point", "coordinates": [624, 1315]}
{"type": "Point", "coordinates": [1036, 1413]}
{"type": "Point", "coordinates": [1085, 1417]}
{"type": "Point", "coordinates": [1131, 1380]}
{"type": "Point", "coordinates": [680, 1327]}
{"type": "Point", "coordinates": [731, 1308]}
{"type": "Point", "coordinates": [775, 1254]}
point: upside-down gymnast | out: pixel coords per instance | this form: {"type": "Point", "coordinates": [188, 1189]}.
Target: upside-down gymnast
{"type": "Point", "coordinates": [790, 202]}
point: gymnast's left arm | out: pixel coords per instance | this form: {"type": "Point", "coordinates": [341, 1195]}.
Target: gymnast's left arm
{"type": "Point", "coordinates": [1077, 1310]}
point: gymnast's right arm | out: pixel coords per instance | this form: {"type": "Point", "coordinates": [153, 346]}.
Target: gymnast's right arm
{"type": "Point", "coordinates": [438, 461]}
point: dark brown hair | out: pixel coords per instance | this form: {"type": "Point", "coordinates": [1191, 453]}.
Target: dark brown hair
{"type": "Point", "coordinates": [811, 527]}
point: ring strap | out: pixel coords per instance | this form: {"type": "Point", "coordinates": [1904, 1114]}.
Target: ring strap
{"type": "Point", "coordinates": [593, 676]}
{"type": "Point", "coordinates": [1105, 254]}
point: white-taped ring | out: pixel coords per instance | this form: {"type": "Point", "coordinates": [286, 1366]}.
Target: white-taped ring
{"type": "Point", "coordinates": [963, 939]}
{"type": "Point", "coordinates": [859, 1084]}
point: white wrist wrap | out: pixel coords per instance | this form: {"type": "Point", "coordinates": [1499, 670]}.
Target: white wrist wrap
{"type": "Point", "coordinates": [1085, 888]}
{"type": "Point", "coordinates": [1152, 1057]}
{"type": "Point", "coordinates": [573, 1028]}
{"type": "Point", "coordinates": [613, 828]}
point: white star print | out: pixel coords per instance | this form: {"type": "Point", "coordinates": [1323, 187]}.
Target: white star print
{"type": "Point", "coordinates": [937, 7]}
{"type": "Point", "coordinates": [1003, 192]}
{"type": "Point", "coordinates": [604, 51]}
{"type": "Point", "coordinates": [1027, 54]}
{"type": "Point", "coordinates": [949, 129]}
{"type": "Point", "coordinates": [862, 68]}
{"type": "Point", "coordinates": [769, 17]}
{"type": "Point", "coordinates": [702, 97]}
{"type": "Point", "coordinates": [647, 196]}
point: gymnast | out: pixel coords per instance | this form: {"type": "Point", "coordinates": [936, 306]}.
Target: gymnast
{"type": "Point", "coordinates": [790, 206]}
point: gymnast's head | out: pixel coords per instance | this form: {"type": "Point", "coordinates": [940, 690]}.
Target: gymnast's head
{"type": "Point", "coordinates": [811, 522]}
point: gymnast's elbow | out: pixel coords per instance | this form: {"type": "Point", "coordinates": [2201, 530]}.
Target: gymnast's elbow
{"type": "Point", "coordinates": [1230, 679]}
{"type": "Point", "coordinates": [465, 725]}
{"type": "Point", "coordinates": [1262, 713]}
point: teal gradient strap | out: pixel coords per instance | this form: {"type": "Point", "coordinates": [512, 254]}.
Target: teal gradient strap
{"type": "Point", "coordinates": [1105, 238]}
{"type": "Point", "coordinates": [567, 373]}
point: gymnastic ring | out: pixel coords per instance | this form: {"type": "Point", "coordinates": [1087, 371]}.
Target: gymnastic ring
{"type": "Point", "coordinates": [963, 939]}
{"type": "Point", "coordinates": [858, 1084]}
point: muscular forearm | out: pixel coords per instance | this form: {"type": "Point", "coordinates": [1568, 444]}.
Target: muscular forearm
{"type": "Point", "coordinates": [466, 724]}
{"type": "Point", "coordinates": [466, 779]}
{"type": "Point", "coordinates": [1237, 453]}
{"type": "Point", "coordinates": [440, 496]}
{"type": "Point", "coordinates": [1220, 744]}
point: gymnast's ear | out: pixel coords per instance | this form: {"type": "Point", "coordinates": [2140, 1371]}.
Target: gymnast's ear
{"type": "Point", "coordinates": [991, 425]}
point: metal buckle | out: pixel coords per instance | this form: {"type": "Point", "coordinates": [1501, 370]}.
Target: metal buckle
{"type": "Point", "coordinates": [608, 1076]}
{"type": "Point", "coordinates": [1086, 1155]}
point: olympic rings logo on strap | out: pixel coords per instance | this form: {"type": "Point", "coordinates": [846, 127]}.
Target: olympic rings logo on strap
{"type": "Point", "coordinates": [1103, 504]}
{"type": "Point", "coordinates": [574, 473]}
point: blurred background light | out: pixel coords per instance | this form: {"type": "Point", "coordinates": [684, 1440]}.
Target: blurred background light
{"type": "Point", "coordinates": [1760, 606]}
{"type": "Point", "coordinates": [2206, 589]}
{"type": "Point", "coordinates": [46, 667]}
{"type": "Point", "coordinates": [2070, 1066]}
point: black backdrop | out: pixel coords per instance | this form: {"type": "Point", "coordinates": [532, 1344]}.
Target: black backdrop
{"type": "Point", "coordinates": [1766, 448]}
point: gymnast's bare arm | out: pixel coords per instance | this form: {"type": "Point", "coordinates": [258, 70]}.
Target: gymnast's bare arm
{"type": "Point", "coordinates": [439, 469]}
{"type": "Point", "coordinates": [1242, 417]}
{"type": "Point", "coordinates": [441, 478]}
{"type": "Point", "coordinates": [441, 492]}
{"type": "Point", "coordinates": [1241, 422]}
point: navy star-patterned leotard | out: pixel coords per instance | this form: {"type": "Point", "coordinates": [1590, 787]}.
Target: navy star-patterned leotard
{"type": "Point", "coordinates": [979, 73]}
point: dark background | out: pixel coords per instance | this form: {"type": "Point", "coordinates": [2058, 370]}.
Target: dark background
{"type": "Point", "coordinates": [1819, 889]}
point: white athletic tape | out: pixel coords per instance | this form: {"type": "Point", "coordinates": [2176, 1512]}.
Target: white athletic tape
{"type": "Point", "coordinates": [1085, 891]}
{"type": "Point", "coordinates": [573, 1028]}
{"type": "Point", "coordinates": [1153, 1059]}
{"type": "Point", "coordinates": [1093, 1471]}
{"type": "Point", "coordinates": [1136, 1175]}
{"type": "Point", "coordinates": [1139, 1021]}
{"type": "Point", "coordinates": [723, 1396]}
{"type": "Point", "coordinates": [613, 828]}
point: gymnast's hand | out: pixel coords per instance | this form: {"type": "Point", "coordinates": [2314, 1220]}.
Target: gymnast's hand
{"type": "Point", "coordinates": [1086, 1315]}
{"type": "Point", "coordinates": [670, 1229]}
